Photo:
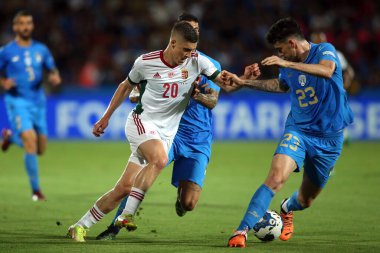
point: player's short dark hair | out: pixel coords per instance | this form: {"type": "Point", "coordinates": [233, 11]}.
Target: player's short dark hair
{"type": "Point", "coordinates": [185, 16]}
{"type": "Point", "coordinates": [22, 13]}
{"type": "Point", "coordinates": [186, 31]}
{"type": "Point", "coordinates": [282, 29]}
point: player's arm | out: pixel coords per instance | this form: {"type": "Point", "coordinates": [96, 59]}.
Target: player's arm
{"type": "Point", "coordinates": [325, 68]}
{"type": "Point", "coordinates": [271, 85]}
{"type": "Point", "coordinates": [7, 83]}
{"type": "Point", "coordinates": [54, 78]}
{"type": "Point", "coordinates": [208, 99]}
{"type": "Point", "coordinates": [121, 93]}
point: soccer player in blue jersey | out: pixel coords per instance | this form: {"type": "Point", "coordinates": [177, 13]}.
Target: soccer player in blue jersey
{"type": "Point", "coordinates": [313, 136]}
{"type": "Point", "coordinates": [23, 62]}
{"type": "Point", "coordinates": [191, 148]}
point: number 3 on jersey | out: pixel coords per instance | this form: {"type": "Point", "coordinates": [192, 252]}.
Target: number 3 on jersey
{"type": "Point", "coordinates": [171, 90]}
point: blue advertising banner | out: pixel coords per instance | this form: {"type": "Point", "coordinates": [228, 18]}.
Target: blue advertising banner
{"type": "Point", "coordinates": [248, 115]}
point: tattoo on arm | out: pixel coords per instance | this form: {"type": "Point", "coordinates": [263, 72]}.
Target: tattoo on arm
{"type": "Point", "coordinates": [208, 100]}
{"type": "Point", "coordinates": [271, 85]}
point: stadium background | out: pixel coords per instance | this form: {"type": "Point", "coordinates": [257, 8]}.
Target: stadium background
{"type": "Point", "coordinates": [95, 43]}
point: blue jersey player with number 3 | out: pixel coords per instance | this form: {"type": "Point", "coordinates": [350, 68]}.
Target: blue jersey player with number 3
{"type": "Point", "coordinates": [313, 136]}
{"type": "Point", "coordinates": [23, 61]}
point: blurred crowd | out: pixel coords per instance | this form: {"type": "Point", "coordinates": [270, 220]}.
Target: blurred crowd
{"type": "Point", "coordinates": [95, 42]}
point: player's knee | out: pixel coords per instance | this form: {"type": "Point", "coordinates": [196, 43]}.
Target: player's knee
{"type": "Point", "coordinates": [160, 162]}
{"type": "Point", "coordinates": [275, 182]}
{"type": "Point", "coordinates": [305, 202]}
{"type": "Point", "coordinates": [188, 204]}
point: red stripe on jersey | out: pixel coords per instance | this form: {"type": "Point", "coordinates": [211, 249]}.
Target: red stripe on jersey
{"type": "Point", "coordinates": [150, 58]}
{"type": "Point", "coordinates": [152, 53]}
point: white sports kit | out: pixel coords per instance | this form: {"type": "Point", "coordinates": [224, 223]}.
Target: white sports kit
{"type": "Point", "coordinates": [165, 92]}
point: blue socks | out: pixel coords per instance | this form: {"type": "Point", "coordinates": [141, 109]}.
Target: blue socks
{"type": "Point", "coordinates": [257, 207]}
{"type": "Point", "coordinates": [31, 167]}
{"type": "Point", "coordinates": [120, 209]}
{"type": "Point", "coordinates": [292, 204]}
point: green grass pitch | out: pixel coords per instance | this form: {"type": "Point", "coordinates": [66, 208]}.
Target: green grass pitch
{"type": "Point", "coordinates": [344, 218]}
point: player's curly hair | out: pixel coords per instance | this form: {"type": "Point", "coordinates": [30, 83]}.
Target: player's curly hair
{"type": "Point", "coordinates": [185, 16]}
{"type": "Point", "coordinates": [282, 29]}
{"type": "Point", "coordinates": [186, 31]}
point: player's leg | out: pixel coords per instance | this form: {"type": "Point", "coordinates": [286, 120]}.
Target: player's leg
{"type": "Point", "coordinates": [105, 203]}
{"type": "Point", "coordinates": [41, 144]}
{"type": "Point", "coordinates": [321, 158]}
{"type": "Point", "coordinates": [112, 230]}
{"type": "Point", "coordinates": [188, 176]}
{"type": "Point", "coordinates": [10, 136]}
{"type": "Point", "coordinates": [288, 157]}
{"type": "Point", "coordinates": [155, 154]}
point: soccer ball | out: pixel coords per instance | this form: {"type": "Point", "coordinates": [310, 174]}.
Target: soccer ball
{"type": "Point", "coordinates": [269, 227]}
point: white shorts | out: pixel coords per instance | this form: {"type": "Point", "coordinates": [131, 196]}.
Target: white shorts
{"type": "Point", "coordinates": [138, 131]}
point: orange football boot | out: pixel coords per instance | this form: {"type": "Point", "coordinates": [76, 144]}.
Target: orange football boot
{"type": "Point", "coordinates": [287, 231]}
{"type": "Point", "coordinates": [238, 239]}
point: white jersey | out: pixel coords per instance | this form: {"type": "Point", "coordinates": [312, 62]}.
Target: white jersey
{"type": "Point", "coordinates": [165, 90]}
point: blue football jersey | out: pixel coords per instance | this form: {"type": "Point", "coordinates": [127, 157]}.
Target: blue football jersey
{"type": "Point", "coordinates": [25, 65]}
{"type": "Point", "coordinates": [196, 123]}
{"type": "Point", "coordinates": [319, 105]}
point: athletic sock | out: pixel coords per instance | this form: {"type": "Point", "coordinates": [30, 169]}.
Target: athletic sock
{"type": "Point", "coordinates": [134, 200]}
{"type": "Point", "coordinates": [31, 166]}
{"type": "Point", "coordinates": [257, 207]}
{"type": "Point", "coordinates": [91, 217]}
{"type": "Point", "coordinates": [291, 204]}
{"type": "Point", "coordinates": [120, 209]}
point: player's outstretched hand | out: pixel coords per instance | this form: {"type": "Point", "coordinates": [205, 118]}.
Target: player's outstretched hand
{"type": "Point", "coordinates": [274, 60]}
{"type": "Point", "coordinates": [231, 82]}
{"type": "Point", "coordinates": [99, 127]}
{"type": "Point", "coordinates": [252, 72]}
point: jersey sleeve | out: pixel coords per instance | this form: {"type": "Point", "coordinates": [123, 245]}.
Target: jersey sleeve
{"type": "Point", "coordinates": [211, 84]}
{"type": "Point", "coordinates": [282, 79]}
{"type": "Point", "coordinates": [135, 76]}
{"type": "Point", "coordinates": [48, 59]}
{"type": "Point", "coordinates": [326, 51]}
{"type": "Point", "coordinates": [207, 68]}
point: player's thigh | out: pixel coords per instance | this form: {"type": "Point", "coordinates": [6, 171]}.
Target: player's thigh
{"type": "Point", "coordinates": [39, 119]}
{"type": "Point", "coordinates": [192, 169]}
{"type": "Point", "coordinates": [292, 145]}
{"type": "Point", "coordinates": [128, 176]}
{"type": "Point", "coordinates": [322, 156]}
{"type": "Point", "coordinates": [20, 118]}
{"type": "Point", "coordinates": [145, 141]}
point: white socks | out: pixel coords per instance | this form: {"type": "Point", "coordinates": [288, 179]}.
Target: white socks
{"type": "Point", "coordinates": [134, 200]}
{"type": "Point", "coordinates": [91, 217]}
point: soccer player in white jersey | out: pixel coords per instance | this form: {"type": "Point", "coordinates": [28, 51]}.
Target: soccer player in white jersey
{"type": "Point", "coordinates": [166, 78]}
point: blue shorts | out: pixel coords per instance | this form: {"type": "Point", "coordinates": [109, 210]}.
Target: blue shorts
{"type": "Point", "coordinates": [26, 116]}
{"type": "Point", "coordinates": [189, 164]}
{"type": "Point", "coordinates": [317, 155]}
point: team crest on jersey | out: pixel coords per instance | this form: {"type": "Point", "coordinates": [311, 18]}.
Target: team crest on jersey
{"type": "Point", "coordinates": [38, 57]}
{"type": "Point", "coordinates": [184, 73]}
{"type": "Point", "coordinates": [171, 74]}
{"type": "Point", "coordinates": [302, 80]}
